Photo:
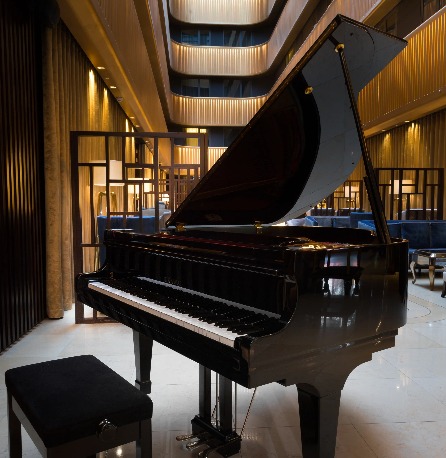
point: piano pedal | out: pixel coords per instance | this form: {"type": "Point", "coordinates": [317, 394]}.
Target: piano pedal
{"type": "Point", "coordinates": [198, 443]}
{"type": "Point", "coordinates": [187, 437]}
{"type": "Point", "coordinates": [227, 449]}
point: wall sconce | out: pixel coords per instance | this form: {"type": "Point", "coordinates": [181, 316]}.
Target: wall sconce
{"type": "Point", "coordinates": [350, 191]}
{"type": "Point", "coordinates": [401, 187]}
{"type": "Point", "coordinates": [100, 179]}
{"type": "Point", "coordinates": [135, 189]}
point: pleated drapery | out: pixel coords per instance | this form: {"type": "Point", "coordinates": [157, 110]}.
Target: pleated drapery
{"type": "Point", "coordinates": [75, 98]}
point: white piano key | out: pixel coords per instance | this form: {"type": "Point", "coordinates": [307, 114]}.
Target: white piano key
{"type": "Point", "coordinates": [206, 329]}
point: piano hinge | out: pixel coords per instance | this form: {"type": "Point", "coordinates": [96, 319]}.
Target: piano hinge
{"type": "Point", "coordinates": [180, 227]}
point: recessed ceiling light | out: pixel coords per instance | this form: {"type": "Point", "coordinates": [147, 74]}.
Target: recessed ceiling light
{"type": "Point", "coordinates": [112, 87]}
{"type": "Point", "coordinates": [406, 121]}
{"type": "Point", "coordinates": [100, 68]}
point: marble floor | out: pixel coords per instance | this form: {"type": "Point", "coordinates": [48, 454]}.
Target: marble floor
{"type": "Point", "coordinates": [392, 407]}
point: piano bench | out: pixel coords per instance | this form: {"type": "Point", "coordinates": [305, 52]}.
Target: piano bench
{"type": "Point", "coordinates": [76, 407]}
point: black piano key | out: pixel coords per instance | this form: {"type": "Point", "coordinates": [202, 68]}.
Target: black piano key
{"type": "Point", "coordinates": [238, 320]}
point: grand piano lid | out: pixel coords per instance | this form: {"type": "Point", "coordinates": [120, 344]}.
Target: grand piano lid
{"type": "Point", "coordinates": [302, 144]}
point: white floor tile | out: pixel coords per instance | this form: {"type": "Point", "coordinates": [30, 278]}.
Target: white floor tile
{"type": "Point", "coordinates": [393, 406]}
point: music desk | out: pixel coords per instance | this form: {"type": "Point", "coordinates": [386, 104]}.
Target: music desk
{"type": "Point", "coordinates": [428, 259]}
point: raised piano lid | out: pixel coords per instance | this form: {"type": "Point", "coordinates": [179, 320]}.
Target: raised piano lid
{"type": "Point", "coordinates": [302, 144]}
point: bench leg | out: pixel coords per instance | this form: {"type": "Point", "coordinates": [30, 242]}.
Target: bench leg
{"type": "Point", "coordinates": [144, 444]}
{"type": "Point", "coordinates": [142, 346]}
{"type": "Point", "coordinates": [431, 277]}
{"type": "Point", "coordinates": [412, 268]}
{"type": "Point", "coordinates": [14, 432]}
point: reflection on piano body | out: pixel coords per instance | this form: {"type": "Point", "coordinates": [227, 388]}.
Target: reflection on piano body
{"type": "Point", "coordinates": [259, 303]}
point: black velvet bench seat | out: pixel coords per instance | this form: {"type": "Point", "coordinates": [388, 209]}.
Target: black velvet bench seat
{"type": "Point", "coordinates": [76, 407]}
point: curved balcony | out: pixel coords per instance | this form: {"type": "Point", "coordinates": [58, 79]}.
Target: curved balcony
{"type": "Point", "coordinates": [218, 60]}
{"type": "Point", "coordinates": [214, 111]}
{"type": "Point", "coordinates": [191, 154]}
{"type": "Point", "coordinates": [221, 12]}
{"type": "Point", "coordinates": [197, 111]}
{"type": "Point", "coordinates": [227, 61]}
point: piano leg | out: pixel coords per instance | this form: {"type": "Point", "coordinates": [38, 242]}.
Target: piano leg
{"type": "Point", "coordinates": [143, 361]}
{"type": "Point", "coordinates": [204, 395]}
{"type": "Point", "coordinates": [318, 422]}
{"type": "Point", "coordinates": [225, 404]}
{"type": "Point", "coordinates": [142, 345]}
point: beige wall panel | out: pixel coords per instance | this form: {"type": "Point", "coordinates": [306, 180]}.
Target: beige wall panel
{"type": "Point", "coordinates": [211, 111]}
{"type": "Point", "coordinates": [110, 33]}
{"type": "Point", "coordinates": [290, 15]}
{"type": "Point", "coordinates": [151, 13]}
{"type": "Point", "coordinates": [237, 12]}
{"type": "Point", "coordinates": [218, 60]}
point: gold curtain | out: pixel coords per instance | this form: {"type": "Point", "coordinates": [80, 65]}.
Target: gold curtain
{"type": "Point", "coordinates": [75, 98]}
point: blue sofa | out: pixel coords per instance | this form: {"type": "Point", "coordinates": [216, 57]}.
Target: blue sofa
{"type": "Point", "coordinates": [332, 221]}
{"type": "Point", "coordinates": [145, 225]}
{"type": "Point", "coordinates": [420, 234]}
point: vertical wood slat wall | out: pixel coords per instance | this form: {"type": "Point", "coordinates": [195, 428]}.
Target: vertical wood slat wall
{"type": "Point", "coordinates": [22, 273]}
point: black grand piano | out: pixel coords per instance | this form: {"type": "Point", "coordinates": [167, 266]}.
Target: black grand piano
{"type": "Point", "coordinates": [258, 302]}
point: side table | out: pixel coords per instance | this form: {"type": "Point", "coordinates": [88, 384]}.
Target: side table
{"type": "Point", "coordinates": [427, 259]}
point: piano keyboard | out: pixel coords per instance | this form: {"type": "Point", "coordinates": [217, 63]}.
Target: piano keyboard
{"type": "Point", "coordinates": [199, 313]}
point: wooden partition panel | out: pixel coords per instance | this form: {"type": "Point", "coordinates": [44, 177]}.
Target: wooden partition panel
{"type": "Point", "coordinates": [411, 193]}
{"type": "Point", "coordinates": [22, 283]}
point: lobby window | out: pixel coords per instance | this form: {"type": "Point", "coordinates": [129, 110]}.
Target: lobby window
{"type": "Point", "coordinates": [430, 7]}
{"type": "Point", "coordinates": [196, 37]}
{"type": "Point", "coordinates": [237, 38]}
{"type": "Point", "coordinates": [237, 88]}
{"type": "Point", "coordinates": [195, 87]}
{"type": "Point", "coordinates": [388, 24]}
